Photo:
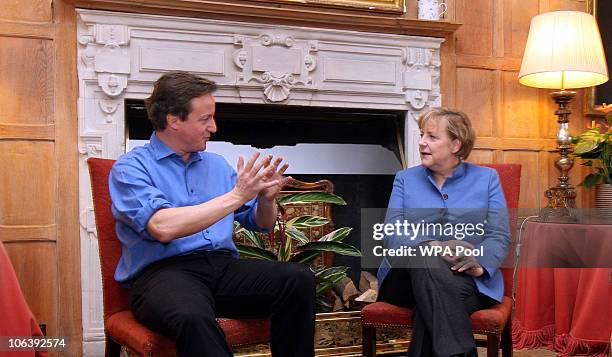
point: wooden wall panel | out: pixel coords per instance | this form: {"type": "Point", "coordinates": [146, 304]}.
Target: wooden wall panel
{"type": "Point", "coordinates": [521, 111]}
{"type": "Point", "coordinates": [30, 10]}
{"type": "Point", "coordinates": [517, 18]}
{"type": "Point", "coordinates": [26, 91]}
{"type": "Point", "coordinates": [515, 123]}
{"type": "Point", "coordinates": [36, 269]}
{"type": "Point", "coordinates": [548, 120]}
{"type": "Point", "coordinates": [554, 5]}
{"type": "Point", "coordinates": [477, 83]}
{"type": "Point", "coordinates": [475, 36]}
{"type": "Point", "coordinates": [39, 221]}
{"type": "Point", "coordinates": [531, 176]}
{"type": "Point", "coordinates": [481, 156]}
{"type": "Point", "coordinates": [28, 173]}
{"type": "Point", "coordinates": [66, 157]}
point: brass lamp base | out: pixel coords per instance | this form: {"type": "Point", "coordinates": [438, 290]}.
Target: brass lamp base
{"type": "Point", "coordinates": [562, 198]}
{"type": "Point", "coordinates": [561, 205]}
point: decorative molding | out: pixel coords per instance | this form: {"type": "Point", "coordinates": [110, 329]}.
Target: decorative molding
{"type": "Point", "coordinates": [88, 222]}
{"type": "Point", "coordinates": [277, 60]}
{"type": "Point", "coordinates": [109, 107]}
{"type": "Point", "coordinates": [310, 16]}
{"type": "Point", "coordinates": [106, 57]}
{"type": "Point", "coordinates": [422, 77]}
{"type": "Point", "coordinates": [91, 146]}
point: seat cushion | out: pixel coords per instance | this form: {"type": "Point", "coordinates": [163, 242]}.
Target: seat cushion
{"type": "Point", "coordinates": [381, 314]}
{"type": "Point", "coordinates": [493, 319]}
{"type": "Point", "coordinates": [126, 331]}
{"type": "Point", "coordinates": [489, 321]}
{"type": "Point", "coordinates": [123, 328]}
{"type": "Point", "coordinates": [245, 331]}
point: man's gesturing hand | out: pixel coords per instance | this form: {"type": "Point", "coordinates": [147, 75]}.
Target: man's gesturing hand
{"type": "Point", "coordinates": [258, 177]}
{"type": "Point", "coordinates": [274, 175]}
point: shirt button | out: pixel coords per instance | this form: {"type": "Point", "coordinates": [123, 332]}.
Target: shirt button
{"type": "Point", "coordinates": [445, 197]}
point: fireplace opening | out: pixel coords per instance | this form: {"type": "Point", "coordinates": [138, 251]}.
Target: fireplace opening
{"type": "Point", "coordinates": [358, 149]}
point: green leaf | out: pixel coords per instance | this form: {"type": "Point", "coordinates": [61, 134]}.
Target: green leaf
{"type": "Point", "coordinates": [307, 221]}
{"type": "Point", "coordinates": [587, 145]}
{"type": "Point", "coordinates": [337, 235]}
{"type": "Point", "coordinates": [326, 272]}
{"type": "Point", "coordinates": [591, 180]}
{"type": "Point", "coordinates": [332, 279]}
{"type": "Point", "coordinates": [322, 302]}
{"type": "Point", "coordinates": [284, 252]}
{"type": "Point", "coordinates": [306, 257]}
{"type": "Point", "coordinates": [252, 237]}
{"type": "Point", "coordinates": [307, 197]}
{"type": "Point", "coordinates": [255, 252]}
{"type": "Point", "coordinates": [329, 282]}
{"type": "Point", "coordinates": [335, 247]}
{"type": "Point", "coordinates": [297, 235]}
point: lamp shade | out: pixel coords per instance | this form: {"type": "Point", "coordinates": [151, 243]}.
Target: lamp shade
{"type": "Point", "coordinates": [563, 51]}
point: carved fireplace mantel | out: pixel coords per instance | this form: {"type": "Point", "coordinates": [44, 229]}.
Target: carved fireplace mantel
{"type": "Point", "coordinates": [285, 14]}
{"type": "Point", "coordinates": [120, 55]}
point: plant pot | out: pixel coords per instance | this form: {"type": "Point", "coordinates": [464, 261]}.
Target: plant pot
{"type": "Point", "coordinates": [603, 199]}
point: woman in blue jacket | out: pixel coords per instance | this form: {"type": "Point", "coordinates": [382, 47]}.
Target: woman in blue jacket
{"type": "Point", "coordinates": [454, 270]}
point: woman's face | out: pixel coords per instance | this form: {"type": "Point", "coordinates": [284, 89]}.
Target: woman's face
{"type": "Point", "coordinates": [437, 149]}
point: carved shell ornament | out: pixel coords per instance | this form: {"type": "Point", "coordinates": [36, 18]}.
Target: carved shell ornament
{"type": "Point", "coordinates": [277, 89]}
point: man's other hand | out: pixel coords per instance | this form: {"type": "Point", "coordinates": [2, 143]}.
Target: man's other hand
{"type": "Point", "coordinates": [275, 175]}
{"type": "Point", "coordinates": [259, 178]}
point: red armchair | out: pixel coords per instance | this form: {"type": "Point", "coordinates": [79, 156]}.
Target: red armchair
{"type": "Point", "coordinates": [494, 322]}
{"type": "Point", "coordinates": [120, 326]}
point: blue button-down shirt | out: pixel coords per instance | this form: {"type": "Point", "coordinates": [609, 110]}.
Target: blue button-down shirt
{"type": "Point", "coordinates": [470, 187]}
{"type": "Point", "coordinates": [152, 177]}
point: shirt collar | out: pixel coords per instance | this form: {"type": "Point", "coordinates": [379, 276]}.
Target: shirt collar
{"type": "Point", "coordinates": [161, 150]}
{"type": "Point", "coordinates": [458, 171]}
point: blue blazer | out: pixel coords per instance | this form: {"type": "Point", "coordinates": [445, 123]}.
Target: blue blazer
{"type": "Point", "coordinates": [472, 194]}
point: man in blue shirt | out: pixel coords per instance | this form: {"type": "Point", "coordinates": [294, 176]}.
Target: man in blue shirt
{"type": "Point", "coordinates": [175, 205]}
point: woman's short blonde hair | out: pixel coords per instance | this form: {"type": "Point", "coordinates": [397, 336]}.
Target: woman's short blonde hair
{"type": "Point", "coordinates": [458, 126]}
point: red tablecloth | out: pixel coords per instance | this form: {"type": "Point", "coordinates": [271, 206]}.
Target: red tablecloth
{"type": "Point", "coordinates": [16, 319]}
{"type": "Point", "coordinates": [567, 310]}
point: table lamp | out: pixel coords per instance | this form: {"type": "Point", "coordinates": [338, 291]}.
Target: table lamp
{"type": "Point", "coordinates": [563, 51]}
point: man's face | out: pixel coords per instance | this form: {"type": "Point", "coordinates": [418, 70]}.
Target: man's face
{"type": "Point", "coordinates": [200, 124]}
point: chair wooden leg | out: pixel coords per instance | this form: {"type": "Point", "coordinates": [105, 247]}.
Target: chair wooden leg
{"type": "Point", "coordinates": [506, 340]}
{"type": "Point", "coordinates": [492, 345]}
{"type": "Point", "coordinates": [112, 349]}
{"type": "Point", "coordinates": [368, 340]}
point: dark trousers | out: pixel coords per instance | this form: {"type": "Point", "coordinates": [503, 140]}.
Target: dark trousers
{"type": "Point", "coordinates": [442, 302]}
{"type": "Point", "coordinates": [180, 297]}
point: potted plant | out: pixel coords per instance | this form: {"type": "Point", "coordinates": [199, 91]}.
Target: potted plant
{"type": "Point", "coordinates": [594, 147]}
{"type": "Point", "coordinates": [294, 246]}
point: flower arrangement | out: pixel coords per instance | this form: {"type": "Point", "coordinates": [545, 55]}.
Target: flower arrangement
{"type": "Point", "coordinates": [594, 147]}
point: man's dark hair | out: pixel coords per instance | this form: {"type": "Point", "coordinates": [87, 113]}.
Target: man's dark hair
{"type": "Point", "coordinates": [172, 94]}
